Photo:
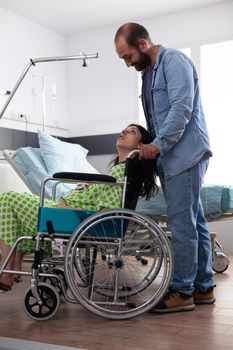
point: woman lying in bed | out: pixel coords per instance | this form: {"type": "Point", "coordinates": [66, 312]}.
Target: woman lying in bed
{"type": "Point", "coordinates": [19, 211]}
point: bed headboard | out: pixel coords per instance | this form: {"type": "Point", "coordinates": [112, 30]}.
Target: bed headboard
{"type": "Point", "coordinates": [96, 144]}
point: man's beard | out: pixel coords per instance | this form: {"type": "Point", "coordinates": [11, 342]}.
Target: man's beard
{"type": "Point", "coordinates": [143, 61]}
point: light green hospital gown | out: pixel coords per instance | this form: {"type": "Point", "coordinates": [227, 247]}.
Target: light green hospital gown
{"type": "Point", "coordinates": [19, 211]}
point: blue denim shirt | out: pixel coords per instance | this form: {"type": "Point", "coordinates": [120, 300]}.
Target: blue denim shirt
{"type": "Point", "coordinates": [176, 112]}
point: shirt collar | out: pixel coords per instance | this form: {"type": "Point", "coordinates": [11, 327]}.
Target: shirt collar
{"type": "Point", "coordinates": [158, 59]}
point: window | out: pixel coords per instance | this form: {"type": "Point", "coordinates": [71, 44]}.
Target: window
{"type": "Point", "coordinates": [216, 82]}
{"type": "Point", "coordinates": [141, 117]}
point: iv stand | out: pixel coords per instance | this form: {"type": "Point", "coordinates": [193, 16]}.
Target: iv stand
{"type": "Point", "coordinates": [33, 62]}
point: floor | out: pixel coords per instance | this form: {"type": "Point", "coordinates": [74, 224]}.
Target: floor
{"type": "Point", "coordinates": [19, 344]}
{"type": "Point", "coordinates": [207, 327]}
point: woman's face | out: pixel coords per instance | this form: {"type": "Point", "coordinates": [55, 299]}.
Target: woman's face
{"type": "Point", "coordinates": [129, 138]}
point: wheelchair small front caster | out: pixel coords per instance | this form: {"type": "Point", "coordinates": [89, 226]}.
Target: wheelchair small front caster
{"type": "Point", "coordinates": [50, 302]}
{"type": "Point", "coordinates": [141, 258]}
{"type": "Point", "coordinates": [104, 257]}
{"type": "Point", "coordinates": [143, 261]}
{"type": "Point", "coordinates": [220, 262]}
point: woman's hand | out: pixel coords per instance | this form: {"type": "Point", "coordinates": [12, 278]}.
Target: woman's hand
{"type": "Point", "coordinates": [62, 204]}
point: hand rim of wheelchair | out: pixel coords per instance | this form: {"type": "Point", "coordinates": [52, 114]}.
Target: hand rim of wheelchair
{"type": "Point", "coordinates": [47, 293]}
{"type": "Point", "coordinates": [157, 235]}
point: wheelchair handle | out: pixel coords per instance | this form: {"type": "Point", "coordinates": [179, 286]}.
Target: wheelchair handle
{"type": "Point", "coordinates": [133, 153]}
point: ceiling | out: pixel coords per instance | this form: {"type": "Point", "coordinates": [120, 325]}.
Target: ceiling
{"type": "Point", "coordinates": [72, 16]}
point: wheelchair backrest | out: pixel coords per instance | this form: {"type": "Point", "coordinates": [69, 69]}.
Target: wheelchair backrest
{"type": "Point", "coordinates": [135, 174]}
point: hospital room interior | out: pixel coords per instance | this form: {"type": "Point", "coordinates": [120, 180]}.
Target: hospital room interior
{"type": "Point", "coordinates": [65, 96]}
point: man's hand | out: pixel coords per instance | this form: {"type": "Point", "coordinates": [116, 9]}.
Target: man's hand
{"type": "Point", "coordinates": [149, 151]}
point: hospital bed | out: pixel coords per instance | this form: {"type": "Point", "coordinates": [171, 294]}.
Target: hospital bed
{"type": "Point", "coordinates": [217, 200]}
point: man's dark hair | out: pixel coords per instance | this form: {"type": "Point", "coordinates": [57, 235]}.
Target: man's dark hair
{"type": "Point", "coordinates": [132, 32]}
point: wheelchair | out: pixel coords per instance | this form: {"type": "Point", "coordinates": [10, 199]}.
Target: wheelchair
{"type": "Point", "coordinates": [117, 263]}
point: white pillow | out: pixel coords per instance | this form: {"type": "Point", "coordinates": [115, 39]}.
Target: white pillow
{"type": "Point", "coordinates": [63, 156]}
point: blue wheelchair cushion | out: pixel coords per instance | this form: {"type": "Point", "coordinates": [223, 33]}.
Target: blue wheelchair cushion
{"type": "Point", "coordinates": [66, 221]}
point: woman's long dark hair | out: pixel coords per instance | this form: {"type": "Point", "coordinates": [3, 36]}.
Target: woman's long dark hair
{"type": "Point", "coordinates": [149, 187]}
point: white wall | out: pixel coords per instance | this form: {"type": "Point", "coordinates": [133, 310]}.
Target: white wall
{"type": "Point", "coordinates": [201, 24]}
{"type": "Point", "coordinates": [224, 232]}
{"type": "Point", "coordinates": [101, 162]}
{"type": "Point", "coordinates": [21, 40]}
{"type": "Point", "coordinates": [103, 99]}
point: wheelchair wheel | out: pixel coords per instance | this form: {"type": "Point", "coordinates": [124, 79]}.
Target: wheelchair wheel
{"type": "Point", "coordinates": [101, 266]}
{"type": "Point", "coordinates": [50, 302]}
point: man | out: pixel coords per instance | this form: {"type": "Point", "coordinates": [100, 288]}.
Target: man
{"type": "Point", "coordinates": [174, 115]}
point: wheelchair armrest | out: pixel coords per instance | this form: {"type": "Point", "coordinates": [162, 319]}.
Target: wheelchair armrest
{"type": "Point", "coordinates": [84, 177]}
